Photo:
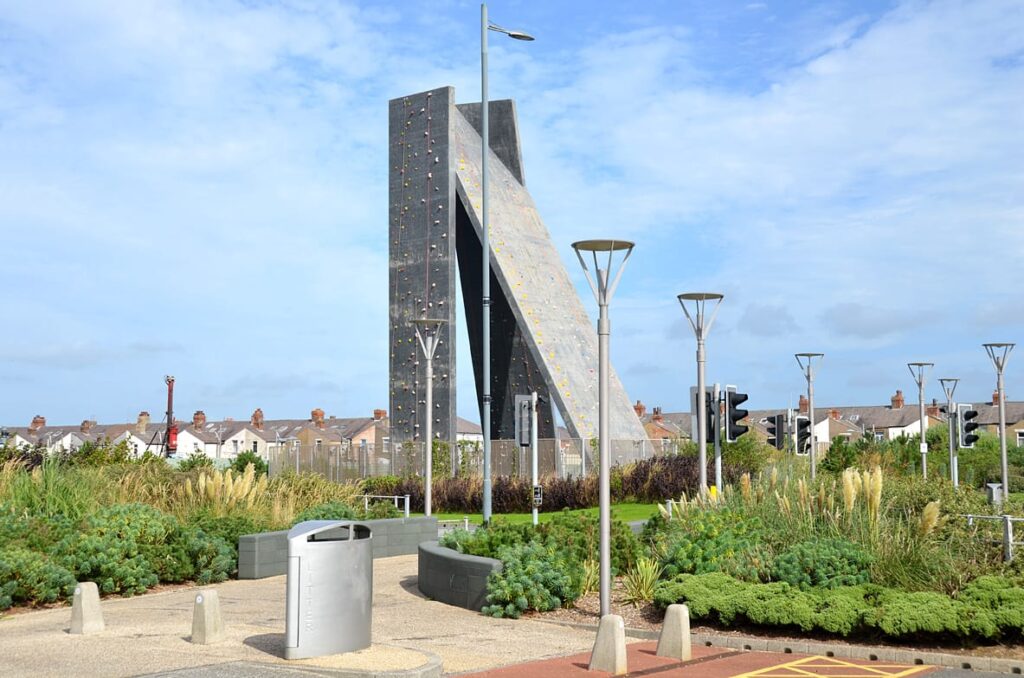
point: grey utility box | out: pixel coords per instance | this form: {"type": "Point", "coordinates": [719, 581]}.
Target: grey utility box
{"type": "Point", "coordinates": [994, 492]}
{"type": "Point", "coordinates": [330, 588]}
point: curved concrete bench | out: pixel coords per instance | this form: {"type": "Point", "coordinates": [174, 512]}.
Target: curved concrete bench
{"type": "Point", "coordinates": [266, 554]}
{"type": "Point", "coordinates": [454, 578]}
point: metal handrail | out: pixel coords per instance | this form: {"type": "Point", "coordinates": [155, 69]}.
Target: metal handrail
{"type": "Point", "coordinates": [393, 497]}
{"type": "Point", "coordinates": [1007, 521]}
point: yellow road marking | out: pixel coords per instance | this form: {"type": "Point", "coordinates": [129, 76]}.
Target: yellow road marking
{"type": "Point", "coordinates": [803, 668]}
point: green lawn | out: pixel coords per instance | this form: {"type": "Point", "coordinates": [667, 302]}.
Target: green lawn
{"type": "Point", "coordinates": [626, 512]}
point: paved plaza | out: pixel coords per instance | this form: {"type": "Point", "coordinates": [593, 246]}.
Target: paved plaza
{"type": "Point", "coordinates": [149, 635]}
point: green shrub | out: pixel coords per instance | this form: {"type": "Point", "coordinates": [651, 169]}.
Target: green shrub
{"type": "Point", "coordinates": [239, 463]}
{"type": "Point", "coordinates": [711, 541]}
{"type": "Point", "coordinates": [580, 534]}
{"type": "Point", "coordinates": [822, 563]}
{"type": "Point", "coordinates": [533, 577]}
{"type": "Point", "coordinates": [30, 577]}
{"type": "Point", "coordinates": [332, 510]}
{"type": "Point", "coordinates": [229, 528]}
{"type": "Point", "coordinates": [195, 461]}
{"type": "Point", "coordinates": [488, 541]}
{"type": "Point", "coordinates": [990, 609]}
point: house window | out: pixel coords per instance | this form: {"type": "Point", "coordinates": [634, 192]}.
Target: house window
{"type": "Point", "coordinates": [879, 436]}
{"type": "Point", "coordinates": [318, 446]}
{"type": "Point", "coordinates": [195, 447]}
{"type": "Point", "coordinates": [234, 445]}
{"type": "Point", "coordinates": [1020, 438]}
{"type": "Point", "coordinates": [255, 447]}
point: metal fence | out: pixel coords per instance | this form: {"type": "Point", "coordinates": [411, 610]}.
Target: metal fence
{"type": "Point", "coordinates": [1007, 521]}
{"type": "Point", "coordinates": [352, 461]}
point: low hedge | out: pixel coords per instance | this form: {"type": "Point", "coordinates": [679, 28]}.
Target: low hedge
{"type": "Point", "coordinates": [991, 608]}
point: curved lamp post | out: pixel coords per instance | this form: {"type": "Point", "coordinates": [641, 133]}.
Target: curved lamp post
{"type": "Point", "coordinates": [999, 352]}
{"type": "Point", "coordinates": [701, 325]}
{"type": "Point", "coordinates": [805, 360]}
{"type": "Point", "coordinates": [428, 332]}
{"type": "Point", "coordinates": [486, 25]}
{"type": "Point", "coordinates": [603, 285]}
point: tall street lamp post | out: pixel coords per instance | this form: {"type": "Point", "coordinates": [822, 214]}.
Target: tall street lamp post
{"type": "Point", "coordinates": [999, 353]}
{"type": "Point", "coordinates": [701, 325]}
{"type": "Point", "coordinates": [805, 361]}
{"type": "Point", "coordinates": [603, 285]}
{"type": "Point", "coordinates": [428, 332]}
{"type": "Point", "coordinates": [917, 371]}
{"type": "Point", "coordinates": [948, 387]}
{"type": "Point", "coordinates": [486, 25]}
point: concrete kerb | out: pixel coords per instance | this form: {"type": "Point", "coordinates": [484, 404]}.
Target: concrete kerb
{"type": "Point", "coordinates": [947, 660]}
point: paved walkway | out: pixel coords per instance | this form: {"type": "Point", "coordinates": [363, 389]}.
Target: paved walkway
{"type": "Point", "coordinates": [712, 662]}
{"type": "Point", "coordinates": [149, 634]}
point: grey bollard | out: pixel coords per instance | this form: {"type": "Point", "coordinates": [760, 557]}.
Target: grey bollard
{"type": "Point", "coordinates": [207, 624]}
{"type": "Point", "coordinates": [609, 652]}
{"type": "Point", "coordinates": [674, 640]}
{"type": "Point", "coordinates": [86, 615]}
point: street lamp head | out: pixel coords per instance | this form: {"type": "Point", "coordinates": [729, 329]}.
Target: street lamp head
{"type": "Point", "coordinates": [998, 352]}
{"type": "Point", "coordinates": [699, 296]}
{"type": "Point", "coordinates": [604, 286]}
{"type": "Point", "coordinates": [514, 34]}
{"type": "Point", "coordinates": [602, 245]}
{"type": "Point", "coordinates": [921, 364]}
{"type": "Point", "coordinates": [809, 355]}
{"type": "Point", "coordinates": [428, 323]}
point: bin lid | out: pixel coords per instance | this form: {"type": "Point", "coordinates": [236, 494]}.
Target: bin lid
{"type": "Point", "coordinates": [304, 530]}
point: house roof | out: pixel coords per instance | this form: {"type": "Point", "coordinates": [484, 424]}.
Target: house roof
{"type": "Point", "coordinates": [468, 427]}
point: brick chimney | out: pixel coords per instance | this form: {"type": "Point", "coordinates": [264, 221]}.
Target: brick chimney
{"type": "Point", "coordinates": [86, 426]}
{"type": "Point", "coordinates": [933, 409]}
{"type": "Point", "coordinates": [199, 419]}
{"type": "Point", "coordinates": [38, 422]}
{"type": "Point", "coordinates": [379, 415]}
{"type": "Point", "coordinates": [897, 400]}
{"type": "Point", "coordinates": [804, 405]}
{"type": "Point", "coordinates": [257, 419]}
{"type": "Point", "coordinates": [317, 417]}
{"type": "Point", "coordinates": [142, 422]}
{"type": "Point", "coordinates": [834, 414]}
{"type": "Point", "coordinates": [656, 415]}
{"type": "Point", "coordinates": [995, 397]}
{"type": "Point", "coordinates": [640, 409]}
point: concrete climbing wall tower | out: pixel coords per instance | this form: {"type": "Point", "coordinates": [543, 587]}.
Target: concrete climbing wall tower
{"type": "Point", "coordinates": [541, 337]}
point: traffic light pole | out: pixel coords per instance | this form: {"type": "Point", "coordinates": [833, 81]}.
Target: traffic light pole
{"type": "Point", "coordinates": [717, 398]}
{"type": "Point", "coordinates": [808, 370]}
{"type": "Point", "coordinates": [949, 386]}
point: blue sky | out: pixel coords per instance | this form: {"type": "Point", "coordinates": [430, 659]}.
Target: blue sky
{"type": "Point", "coordinates": [199, 188]}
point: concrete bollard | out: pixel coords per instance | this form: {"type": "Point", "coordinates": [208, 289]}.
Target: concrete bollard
{"type": "Point", "coordinates": [674, 640]}
{"type": "Point", "coordinates": [609, 652]}
{"type": "Point", "coordinates": [207, 624]}
{"type": "Point", "coordinates": [86, 615]}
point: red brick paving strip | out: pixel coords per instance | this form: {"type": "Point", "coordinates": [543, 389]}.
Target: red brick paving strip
{"type": "Point", "coordinates": [711, 662]}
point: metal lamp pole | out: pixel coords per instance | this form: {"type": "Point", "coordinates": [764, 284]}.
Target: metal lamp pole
{"type": "Point", "coordinates": [917, 371]}
{"type": "Point", "coordinates": [805, 360]}
{"type": "Point", "coordinates": [948, 387]}
{"type": "Point", "coordinates": [701, 325]}
{"type": "Point", "coordinates": [603, 288]}
{"type": "Point", "coordinates": [999, 353]}
{"type": "Point", "coordinates": [428, 333]}
{"type": "Point", "coordinates": [485, 146]}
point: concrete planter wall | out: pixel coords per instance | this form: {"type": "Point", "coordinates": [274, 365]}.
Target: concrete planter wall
{"type": "Point", "coordinates": [266, 554]}
{"type": "Point", "coordinates": [454, 578]}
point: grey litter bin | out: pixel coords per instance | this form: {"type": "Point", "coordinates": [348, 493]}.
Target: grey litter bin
{"type": "Point", "coordinates": [330, 588]}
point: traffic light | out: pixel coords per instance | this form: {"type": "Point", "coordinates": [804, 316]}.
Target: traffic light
{"type": "Point", "coordinates": [965, 414]}
{"type": "Point", "coordinates": [777, 431]}
{"type": "Point", "coordinates": [734, 415]}
{"type": "Point", "coordinates": [802, 434]}
{"type": "Point", "coordinates": [711, 425]}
